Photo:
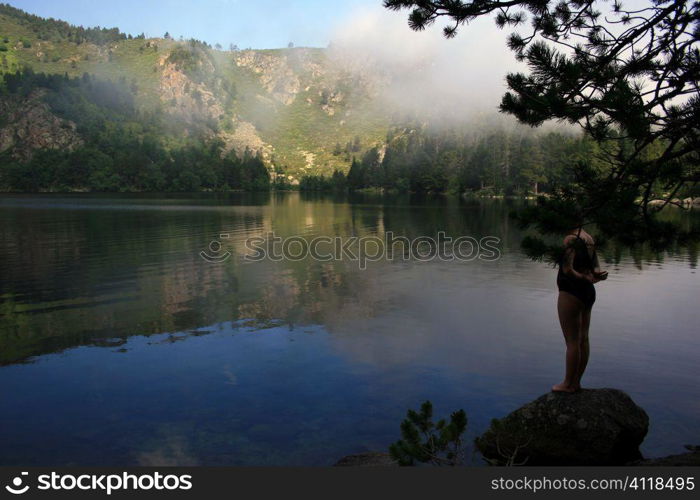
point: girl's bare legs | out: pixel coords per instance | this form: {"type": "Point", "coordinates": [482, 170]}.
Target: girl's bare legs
{"type": "Point", "coordinates": [570, 311]}
{"type": "Point", "coordinates": [584, 346]}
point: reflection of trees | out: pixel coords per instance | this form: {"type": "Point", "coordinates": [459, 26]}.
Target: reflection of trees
{"type": "Point", "coordinates": [643, 255]}
{"type": "Point", "coordinates": [71, 277]}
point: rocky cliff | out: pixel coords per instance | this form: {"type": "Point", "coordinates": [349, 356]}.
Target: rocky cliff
{"type": "Point", "coordinates": [28, 124]}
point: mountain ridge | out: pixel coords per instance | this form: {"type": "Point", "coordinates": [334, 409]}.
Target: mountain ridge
{"type": "Point", "coordinates": [292, 104]}
{"type": "Point", "coordinates": [114, 112]}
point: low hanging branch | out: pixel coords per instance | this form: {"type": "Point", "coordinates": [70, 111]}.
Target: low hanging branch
{"type": "Point", "coordinates": [627, 76]}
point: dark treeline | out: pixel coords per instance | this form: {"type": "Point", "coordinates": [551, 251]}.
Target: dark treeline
{"type": "Point", "coordinates": [499, 162]}
{"type": "Point", "coordinates": [56, 31]}
{"type": "Point", "coordinates": [133, 165]}
{"type": "Point", "coordinates": [121, 148]}
{"type": "Point", "coordinates": [336, 182]}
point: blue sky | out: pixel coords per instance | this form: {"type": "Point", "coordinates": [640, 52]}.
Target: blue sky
{"type": "Point", "coordinates": [247, 23]}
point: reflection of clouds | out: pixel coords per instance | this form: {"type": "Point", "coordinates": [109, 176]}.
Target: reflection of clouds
{"type": "Point", "coordinates": [230, 377]}
{"type": "Point", "coordinates": [465, 321]}
{"type": "Point", "coordinates": [471, 317]}
{"type": "Point", "coordinates": [275, 300]}
{"type": "Point", "coordinates": [498, 329]}
{"type": "Point", "coordinates": [327, 293]}
{"type": "Point", "coordinates": [170, 452]}
{"type": "Point", "coordinates": [489, 315]}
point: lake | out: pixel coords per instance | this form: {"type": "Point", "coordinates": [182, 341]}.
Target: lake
{"type": "Point", "coordinates": [136, 330]}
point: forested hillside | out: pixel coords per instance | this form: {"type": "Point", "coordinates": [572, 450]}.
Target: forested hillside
{"type": "Point", "coordinates": [98, 109]}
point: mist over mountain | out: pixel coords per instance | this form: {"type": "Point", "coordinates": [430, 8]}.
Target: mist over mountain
{"type": "Point", "coordinates": [299, 111]}
{"type": "Point", "coordinates": [453, 82]}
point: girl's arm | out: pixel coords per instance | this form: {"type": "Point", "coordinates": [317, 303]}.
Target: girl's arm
{"type": "Point", "coordinates": [597, 273]}
{"type": "Point", "coordinates": [596, 263]}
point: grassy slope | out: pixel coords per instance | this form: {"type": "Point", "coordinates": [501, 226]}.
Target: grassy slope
{"type": "Point", "coordinates": [292, 130]}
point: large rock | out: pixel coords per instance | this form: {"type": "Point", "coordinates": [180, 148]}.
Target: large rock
{"type": "Point", "coordinates": [591, 427]}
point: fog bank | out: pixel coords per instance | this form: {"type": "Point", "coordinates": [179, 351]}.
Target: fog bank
{"type": "Point", "coordinates": [455, 80]}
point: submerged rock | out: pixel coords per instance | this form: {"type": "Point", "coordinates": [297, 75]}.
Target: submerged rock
{"type": "Point", "coordinates": [368, 459]}
{"type": "Point", "coordinates": [591, 427]}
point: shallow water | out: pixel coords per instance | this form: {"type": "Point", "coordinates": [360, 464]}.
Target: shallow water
{"type": "Point", "coordinates": [120, 344]}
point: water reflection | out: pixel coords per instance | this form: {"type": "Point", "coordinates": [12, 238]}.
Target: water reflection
{"type": "Point", "coordinates": [188, 362]}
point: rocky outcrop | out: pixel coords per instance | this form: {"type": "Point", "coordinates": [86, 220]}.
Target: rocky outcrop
{"type": "Point", "coordinates": [591, 427]}
{"type": "Point", "coordinates": [275, 73]}
{"type": "Point", "coordinates": [195, 103]}
{"type": "Point", "coordinates": [244, 136]}
{"type": "Point", "coordinates": [28, 124]}
{"type": "Point", "coordinates": [325, 81]}
{"type": "Point", "coordinates": [189, 100]}
{"type": "Point", "coordinates": [368, 459]}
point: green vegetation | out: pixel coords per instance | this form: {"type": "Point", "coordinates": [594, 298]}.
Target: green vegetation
{"type": "Point", "coordinates": [195, 59]}
{"type": "Point", "coordinates": [155, 101]}
{"type": "Point", "coordinates": [216, 95]}
{"type": "Point", "coordinates": [424, 441]}
{"type": "Point", "coordinates": [124, 149]}
{"type": "Point", "coordinates": [127, 99]}
{"type": "Point", "coordinates": [628, 77]}
{"type": "Point", "coordinates": [499, 163]}
{"type": "Point", "coordinates": [54, 30]}
{"type": "Point", "coordinates": [336, 182]}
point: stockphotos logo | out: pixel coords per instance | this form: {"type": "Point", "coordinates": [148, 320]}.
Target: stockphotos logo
{"type": "Point", "coordinates": [107, 483]}
{"type": "Point", "coordinates": [17, 487]}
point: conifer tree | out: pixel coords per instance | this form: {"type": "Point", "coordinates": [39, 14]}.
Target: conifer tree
{"type": "Point", "coordinates": [628, 76]}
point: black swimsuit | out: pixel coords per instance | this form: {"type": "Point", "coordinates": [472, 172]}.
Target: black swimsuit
{"type": "Point", "coordinates": [583, 263]}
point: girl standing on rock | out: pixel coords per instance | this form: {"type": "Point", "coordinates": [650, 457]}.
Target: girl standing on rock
{"type": "Point", "coordinates": [579, 269]}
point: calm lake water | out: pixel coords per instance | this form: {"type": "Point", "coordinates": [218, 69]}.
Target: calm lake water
{"type": "Point", "coordinates": [120, 344]}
